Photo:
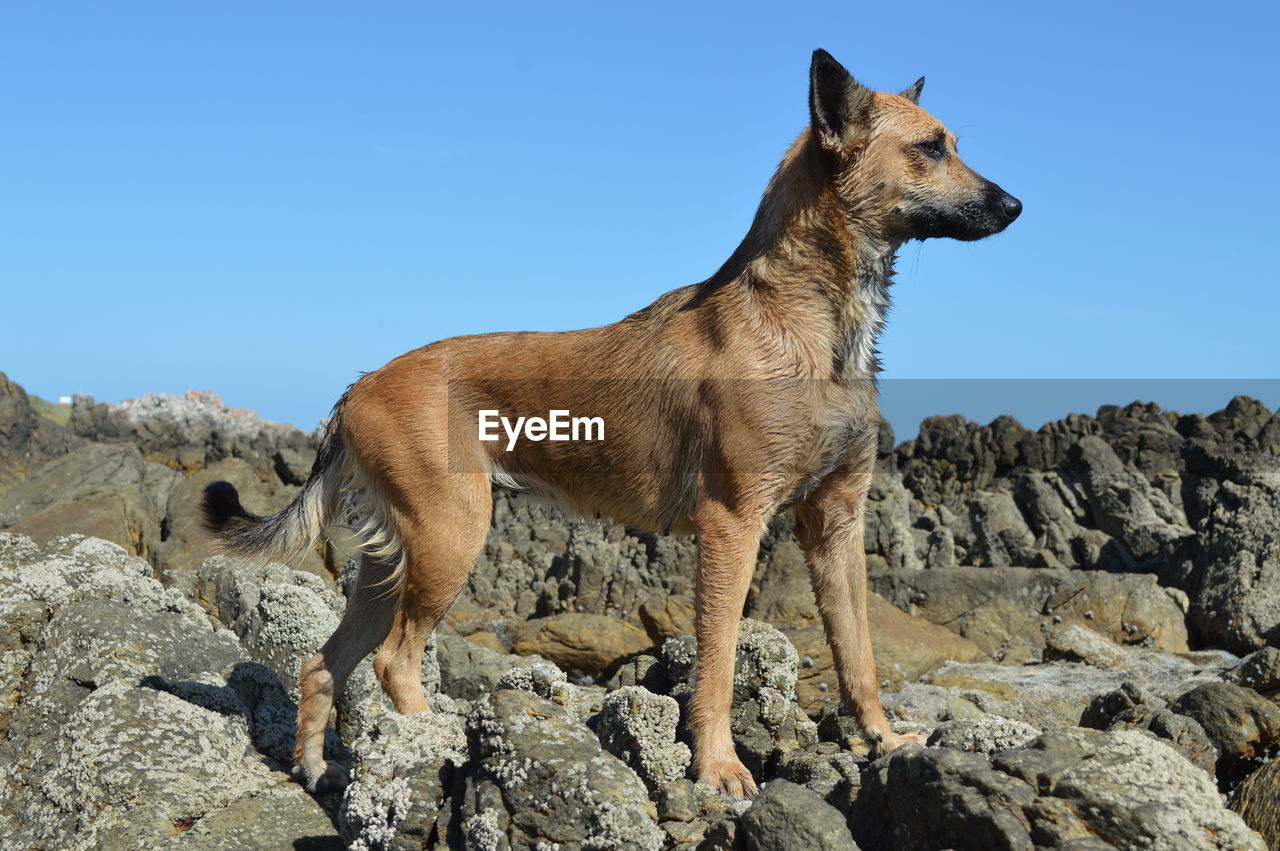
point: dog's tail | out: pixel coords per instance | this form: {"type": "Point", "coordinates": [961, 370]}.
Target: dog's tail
{"type": "Point", "coordinates": [281, 536]}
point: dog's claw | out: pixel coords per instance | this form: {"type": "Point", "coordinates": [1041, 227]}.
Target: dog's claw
{"type": "Point", "coordinates": [731, 779]}
{"type": "Point", "coordinates": [891, 741]}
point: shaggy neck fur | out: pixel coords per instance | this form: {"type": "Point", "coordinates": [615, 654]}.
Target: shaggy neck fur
{"type": "Point", "coordinates": [812, 254]}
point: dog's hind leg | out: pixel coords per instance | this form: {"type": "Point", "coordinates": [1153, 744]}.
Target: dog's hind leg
{"type": "Point", "coordinates": [364, 625]}
{"type": "Point", "coordinates": [727, 549]}
{"type": "Point", "coordinates": [442, 539]}
{"type": "Point", "coordinates": [829, 526]}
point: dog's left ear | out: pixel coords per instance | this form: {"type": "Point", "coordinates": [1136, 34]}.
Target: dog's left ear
{"type": "Point", "coordinates": [912, 92]}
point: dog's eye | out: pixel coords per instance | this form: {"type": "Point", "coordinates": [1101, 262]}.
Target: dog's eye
{"type": "Point", "coordinates": [932, 148]}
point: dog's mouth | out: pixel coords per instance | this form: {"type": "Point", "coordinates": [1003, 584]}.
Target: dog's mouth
{"type": "Point", "coordinates": [982, 215]}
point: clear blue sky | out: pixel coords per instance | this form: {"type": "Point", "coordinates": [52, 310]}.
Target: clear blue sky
{"type": "Point", "coordinates": [266, 198]}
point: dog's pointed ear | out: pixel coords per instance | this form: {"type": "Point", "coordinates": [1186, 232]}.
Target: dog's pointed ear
{"type": "Point", "coordinates": [838, 105]}
{"type": "Point", "coordinates": [912, 92]}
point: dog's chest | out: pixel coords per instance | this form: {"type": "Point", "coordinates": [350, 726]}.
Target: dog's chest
{"type": "Point", "coordinates": [862, 319]}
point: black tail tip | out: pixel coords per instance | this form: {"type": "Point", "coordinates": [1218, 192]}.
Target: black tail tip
{"type": "Point", "coordinates": [221, 505]}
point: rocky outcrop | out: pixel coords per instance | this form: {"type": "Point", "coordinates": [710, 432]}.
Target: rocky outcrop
{"type": "Point", "coordinates": [542, 778]}
{"type": "Point", "coordinates": [787, 817]}
{"type": "Point", "coordinates": [130, 717]}
{"type": "Point", "coordinates": [195, 430]}
{"type": "Point", "coordinates": [1005, 610]}
{"type": "Point", "coordinates": [27, 439]}
{"type": "Point", "coordinates": [1065, 788]}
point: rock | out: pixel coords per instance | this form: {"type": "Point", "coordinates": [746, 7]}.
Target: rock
{"type": "Point", "coordinates": [469, 672]}
{"type": "Point", "coordinates": [1000, 531]}
{"type": "Point", "coordinates": [1257, 800]}
{"type": "Point", "coordinates": [581, 643]}
{"type": "Point", "coordinates": [1123, 503]}
{"type": "Point", "coordinates": [27, 439]}
{"type": "Point", "coordinates": [667, 615]}
{"type": "Point", "coordinates": [787, 817]}
{"type": "Point", "coordinates": [832, 771]}
{"type": "Point", "coordinates": [281, 816]}
{"type": "Point", "coordinates": [189, 432]}
{"type": "Point", "coordinates": [1050, 694]}
{"type": "Point", "coordinates": [639, 728]}
{"type": "Point", "coordinates": [1260, 671]}
{"type": "Point", "coordinates": [1067, 787]}
{"type": "Point", "coordinates": [134, 721]}
{"type": "Point", "coordinates": [1072, 642]}
{"type": "Point", "coordinates": [1130, 708]}
{"type": "Point", "coordinates": [543, 679]}
{"type": "Point", "coordinates": [281, 616]}
{"type": "Point", "coordinates": [987, 735]}
{"type": "Point", "coordinates": [1235, 557]}
{"type": "Point", "coordinates": [1002, 610]}
{"type": "Point", "coordinates": [542, 778]}
{"type": "Point", "coordinates": [97, 490]}
{"type": "Point", "coordinates": [406, 767]}
{"type": "Point", "coordinates": [1244, 727]}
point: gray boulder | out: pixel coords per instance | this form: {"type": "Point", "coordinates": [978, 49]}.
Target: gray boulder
{"type": "Point", "coordinates": [1069, 787]}
{"type": "Point", "coordinates": [787, 817]}
{"type": "Point", "coordinates": [540, 777]}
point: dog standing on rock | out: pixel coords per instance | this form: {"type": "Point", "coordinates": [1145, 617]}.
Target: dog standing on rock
{"type": "Point", "coordinates": [722, 404]}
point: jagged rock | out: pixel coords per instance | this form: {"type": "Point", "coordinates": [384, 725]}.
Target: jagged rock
{"type": "Point", "coordinates": [1130, 708]}
{"type": "Point", "coordinates": [581, 643]}
{"type": "Point", "coordinates": [1235, 559]}
{"type": "Point", "coordinates": [1001, 535]}
{"type": "Point", "coordinates": [1003, 610]}
{"type": "Point", "coordinates": [540, 777]}
{"type": "Point", "coordinates": [282, 616]}
{"type": "Point", "coordinates": [1257, 800]}
{"type": "Point", "coordinates": [1123, 503]}
{"type": "Point", "coordinates": [787, 817]}
{"type": "Point", "coordinates": [1244, 727]}
{"type": "Point", "coordinates": [1069, 786]}
{"type": "Point", "coordinates": [189, 432]}
{"type": "Point", "coordinates": [988, 734]}
{"type": "Point", "coordinates": [405, 768]}
{"type": "Point", "coordinates": [639, 728]}
{"type": "Point", "coordinates": [27, 439]}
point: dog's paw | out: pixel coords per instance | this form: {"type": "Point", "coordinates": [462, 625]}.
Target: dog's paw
{"type": "Point", "coordinates": [333, 778]}
{"type": "Point", "coordinates": [890, 741]}
{"type": "Point", "coordinates": [730, 777]}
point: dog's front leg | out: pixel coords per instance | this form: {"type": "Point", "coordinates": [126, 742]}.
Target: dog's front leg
{"type": "Point", "coordinates": [727, 548]}
{"type": "Point", "coordinates": [829, 526]}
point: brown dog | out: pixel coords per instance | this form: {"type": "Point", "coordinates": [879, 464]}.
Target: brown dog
{"type": "Point", "coordinates": [719, 405]}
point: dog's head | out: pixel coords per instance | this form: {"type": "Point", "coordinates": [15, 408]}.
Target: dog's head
{"type": "Point", "coordinates": [894, 166]}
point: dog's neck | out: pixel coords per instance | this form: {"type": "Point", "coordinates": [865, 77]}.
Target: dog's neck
{"type": "Point", "coordinates": [806, 253]}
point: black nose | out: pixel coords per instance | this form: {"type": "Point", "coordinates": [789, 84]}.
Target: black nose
{"type": "Point", "coordinates": [1011, 207]}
